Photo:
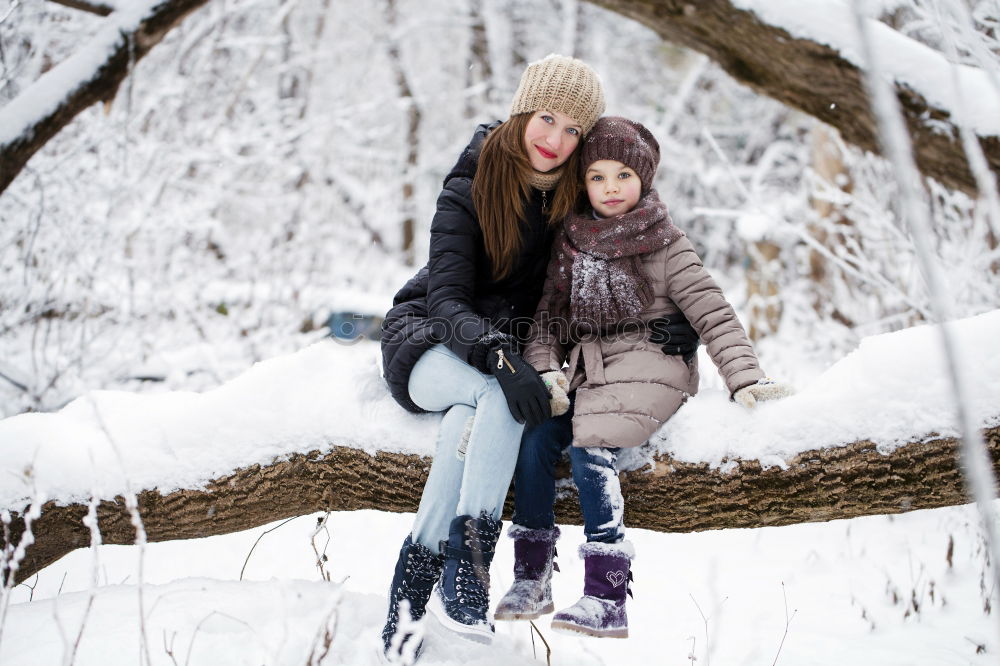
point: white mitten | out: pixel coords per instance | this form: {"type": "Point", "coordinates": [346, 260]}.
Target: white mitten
{"type": "Point", "coordinates": [764, 389]}
{"type": "Point", "coordinates": [557, 384]}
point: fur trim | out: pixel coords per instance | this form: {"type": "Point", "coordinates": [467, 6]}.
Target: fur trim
{"type": "Point", "coordinates": [621, 549]}
{"type": "Point", "coordinates": [549, 535]}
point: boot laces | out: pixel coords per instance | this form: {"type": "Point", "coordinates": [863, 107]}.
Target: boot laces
{"type": "Point", "coordinates": [472, 578]}
{"type": "Point", "coordinates": [472, 583]}
{"type": "Point", "coordinates": [422, 569]}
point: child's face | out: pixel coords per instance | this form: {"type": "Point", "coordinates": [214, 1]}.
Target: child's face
{"type": "Point", "coordinates": [612, 187]}
{"type": "Point", "coordinates": [550, 138]}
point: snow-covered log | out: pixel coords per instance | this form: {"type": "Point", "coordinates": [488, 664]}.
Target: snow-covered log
{"type": "Point", "coordinates": [764, 45]}
{"type": "Point", "coordinates": [669, 496]}
{"type": "Point", "coordinates": [317, 430]}
{"type": "Point", "coordinates": [90, 75]}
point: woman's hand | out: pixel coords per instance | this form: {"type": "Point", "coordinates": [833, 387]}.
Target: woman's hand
{"type": "Point", "coordinates": [527, 397]}
{"type": "Point", "coordinates": [764, 389]}
{"type": "Point", "coordinates": [674, 334]}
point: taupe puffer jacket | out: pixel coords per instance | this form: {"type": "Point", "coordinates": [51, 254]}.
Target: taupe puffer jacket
{"type": "Point", "coordinates": [626, 387]}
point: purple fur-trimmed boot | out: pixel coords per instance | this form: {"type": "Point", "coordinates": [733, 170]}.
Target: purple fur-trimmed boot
{"type": "Point", "coordinates": [601, 610]}
{"type": "Point", "coordinates": [531, 594]}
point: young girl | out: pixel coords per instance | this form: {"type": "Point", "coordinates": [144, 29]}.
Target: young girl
{"type": "Point", "coordinates": [616, 268]}
{"type": "Point", "coordinates": [449, 343]}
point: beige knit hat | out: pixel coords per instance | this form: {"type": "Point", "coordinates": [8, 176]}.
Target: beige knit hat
{"type": "Point", "coordinates": [559, 83]}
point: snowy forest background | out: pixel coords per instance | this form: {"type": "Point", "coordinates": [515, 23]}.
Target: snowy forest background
{"type": "Point", "coordinates": [272, 163]}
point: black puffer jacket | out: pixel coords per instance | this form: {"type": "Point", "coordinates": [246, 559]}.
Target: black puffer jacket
{"type": "Point", "coordinates": [454, 299]}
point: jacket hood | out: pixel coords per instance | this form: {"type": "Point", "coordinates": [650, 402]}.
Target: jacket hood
{"type": "Point", "coordinates": [467, 162]}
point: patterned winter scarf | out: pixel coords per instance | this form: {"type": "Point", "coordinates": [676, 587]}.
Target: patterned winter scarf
{"type": "Point", "coordinates": [600, 280]}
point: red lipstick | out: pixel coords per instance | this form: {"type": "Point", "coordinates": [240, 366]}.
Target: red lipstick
{"type": "Point", "coordinates": [545, 153]}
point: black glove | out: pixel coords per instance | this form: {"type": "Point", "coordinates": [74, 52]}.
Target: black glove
{"type": "Point", "coordinates": [482, 351]}
{"type": "Point", "coordinates": [527, 397]}
{"type": "Point", "coordinates": [675, 334]}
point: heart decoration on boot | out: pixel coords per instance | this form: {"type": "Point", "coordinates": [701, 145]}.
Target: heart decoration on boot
{"type": "Point", "coordinates": [601, 610]}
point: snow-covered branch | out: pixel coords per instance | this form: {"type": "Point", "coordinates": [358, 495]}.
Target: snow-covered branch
{"type": "Point", "coordinates": [90, 75]}
{"type": "Point", "coordinates": [806, 56]}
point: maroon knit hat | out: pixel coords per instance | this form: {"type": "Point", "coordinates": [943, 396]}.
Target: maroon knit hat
{"type": "Point", "coordinates": [626, 141]}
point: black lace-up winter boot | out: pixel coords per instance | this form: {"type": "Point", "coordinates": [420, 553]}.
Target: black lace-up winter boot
{"type": "Point", "coordinates": [417, 569]}
{"type": "Point", "coordinates": [461, 601]}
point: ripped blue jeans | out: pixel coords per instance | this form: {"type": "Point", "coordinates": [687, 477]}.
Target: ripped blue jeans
{"type": "Point", "coordinates": [478, 482]}
{"type": "Point", "coordinates": [594, 474]}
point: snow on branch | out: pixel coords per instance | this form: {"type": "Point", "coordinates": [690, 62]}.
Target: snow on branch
{"type": "Point", "coordinates": [90, 75]}
{"type": "Point", "coordinates": [805, 55]}
{"type": "Point", "coordinates": [797, 53]}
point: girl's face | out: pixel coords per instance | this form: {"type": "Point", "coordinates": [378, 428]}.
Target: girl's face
{"type": "Point", "coordinates": [550, 138]}
{"type": "Point", "coordinates": [612, 187]}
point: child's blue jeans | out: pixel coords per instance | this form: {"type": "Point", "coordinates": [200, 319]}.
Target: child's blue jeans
{"type": "Point", "coordinates": [442, 382]}
{"type": "Point", "coordinates": [594, 473]}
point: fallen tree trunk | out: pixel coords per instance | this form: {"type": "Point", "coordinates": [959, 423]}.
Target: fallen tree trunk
{"type": "Point", "coordinates": [811, 77]}
{"type": "Point", "coordinates": [843, 482]}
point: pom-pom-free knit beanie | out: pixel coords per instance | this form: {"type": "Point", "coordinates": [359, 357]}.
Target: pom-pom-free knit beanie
{"type": "Point", "coordinates": [563, 84]}
{"type": "Point", "coordinates": [626, 141]}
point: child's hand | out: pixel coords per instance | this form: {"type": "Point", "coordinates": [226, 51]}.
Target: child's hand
{"type": "Point", "coordinates": [556, 383]}
{"type": "Point", "coordinates": [764, 389]}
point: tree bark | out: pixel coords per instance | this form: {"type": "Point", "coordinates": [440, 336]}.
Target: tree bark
{"type": "Point", "coordinates": [101, 86]}
{"type": "Point", "coordinates": [808, 76]}
{"type": "Point", "coordinates": [413, 116]}
{"type": "Point", "coordinates": [826, 484]}
{"type": "Point", "coordinates": [480, 71]}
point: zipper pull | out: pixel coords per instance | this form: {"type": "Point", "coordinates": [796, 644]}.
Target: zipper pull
{"type": "Point", "coordinates": [501, 359]}
{"type": "Point", "coordinates": [545, 201]}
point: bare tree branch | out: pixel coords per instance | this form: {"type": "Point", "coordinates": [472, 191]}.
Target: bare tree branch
{"type": "Point", "coordinates": [99, 8]}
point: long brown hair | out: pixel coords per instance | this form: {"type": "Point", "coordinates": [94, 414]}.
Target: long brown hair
{"type": "Point", "coordinates": [502, 186]}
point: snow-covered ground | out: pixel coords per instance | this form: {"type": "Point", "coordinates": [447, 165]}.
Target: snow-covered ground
{"type": "Point", "coordinates": [880, 591]}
